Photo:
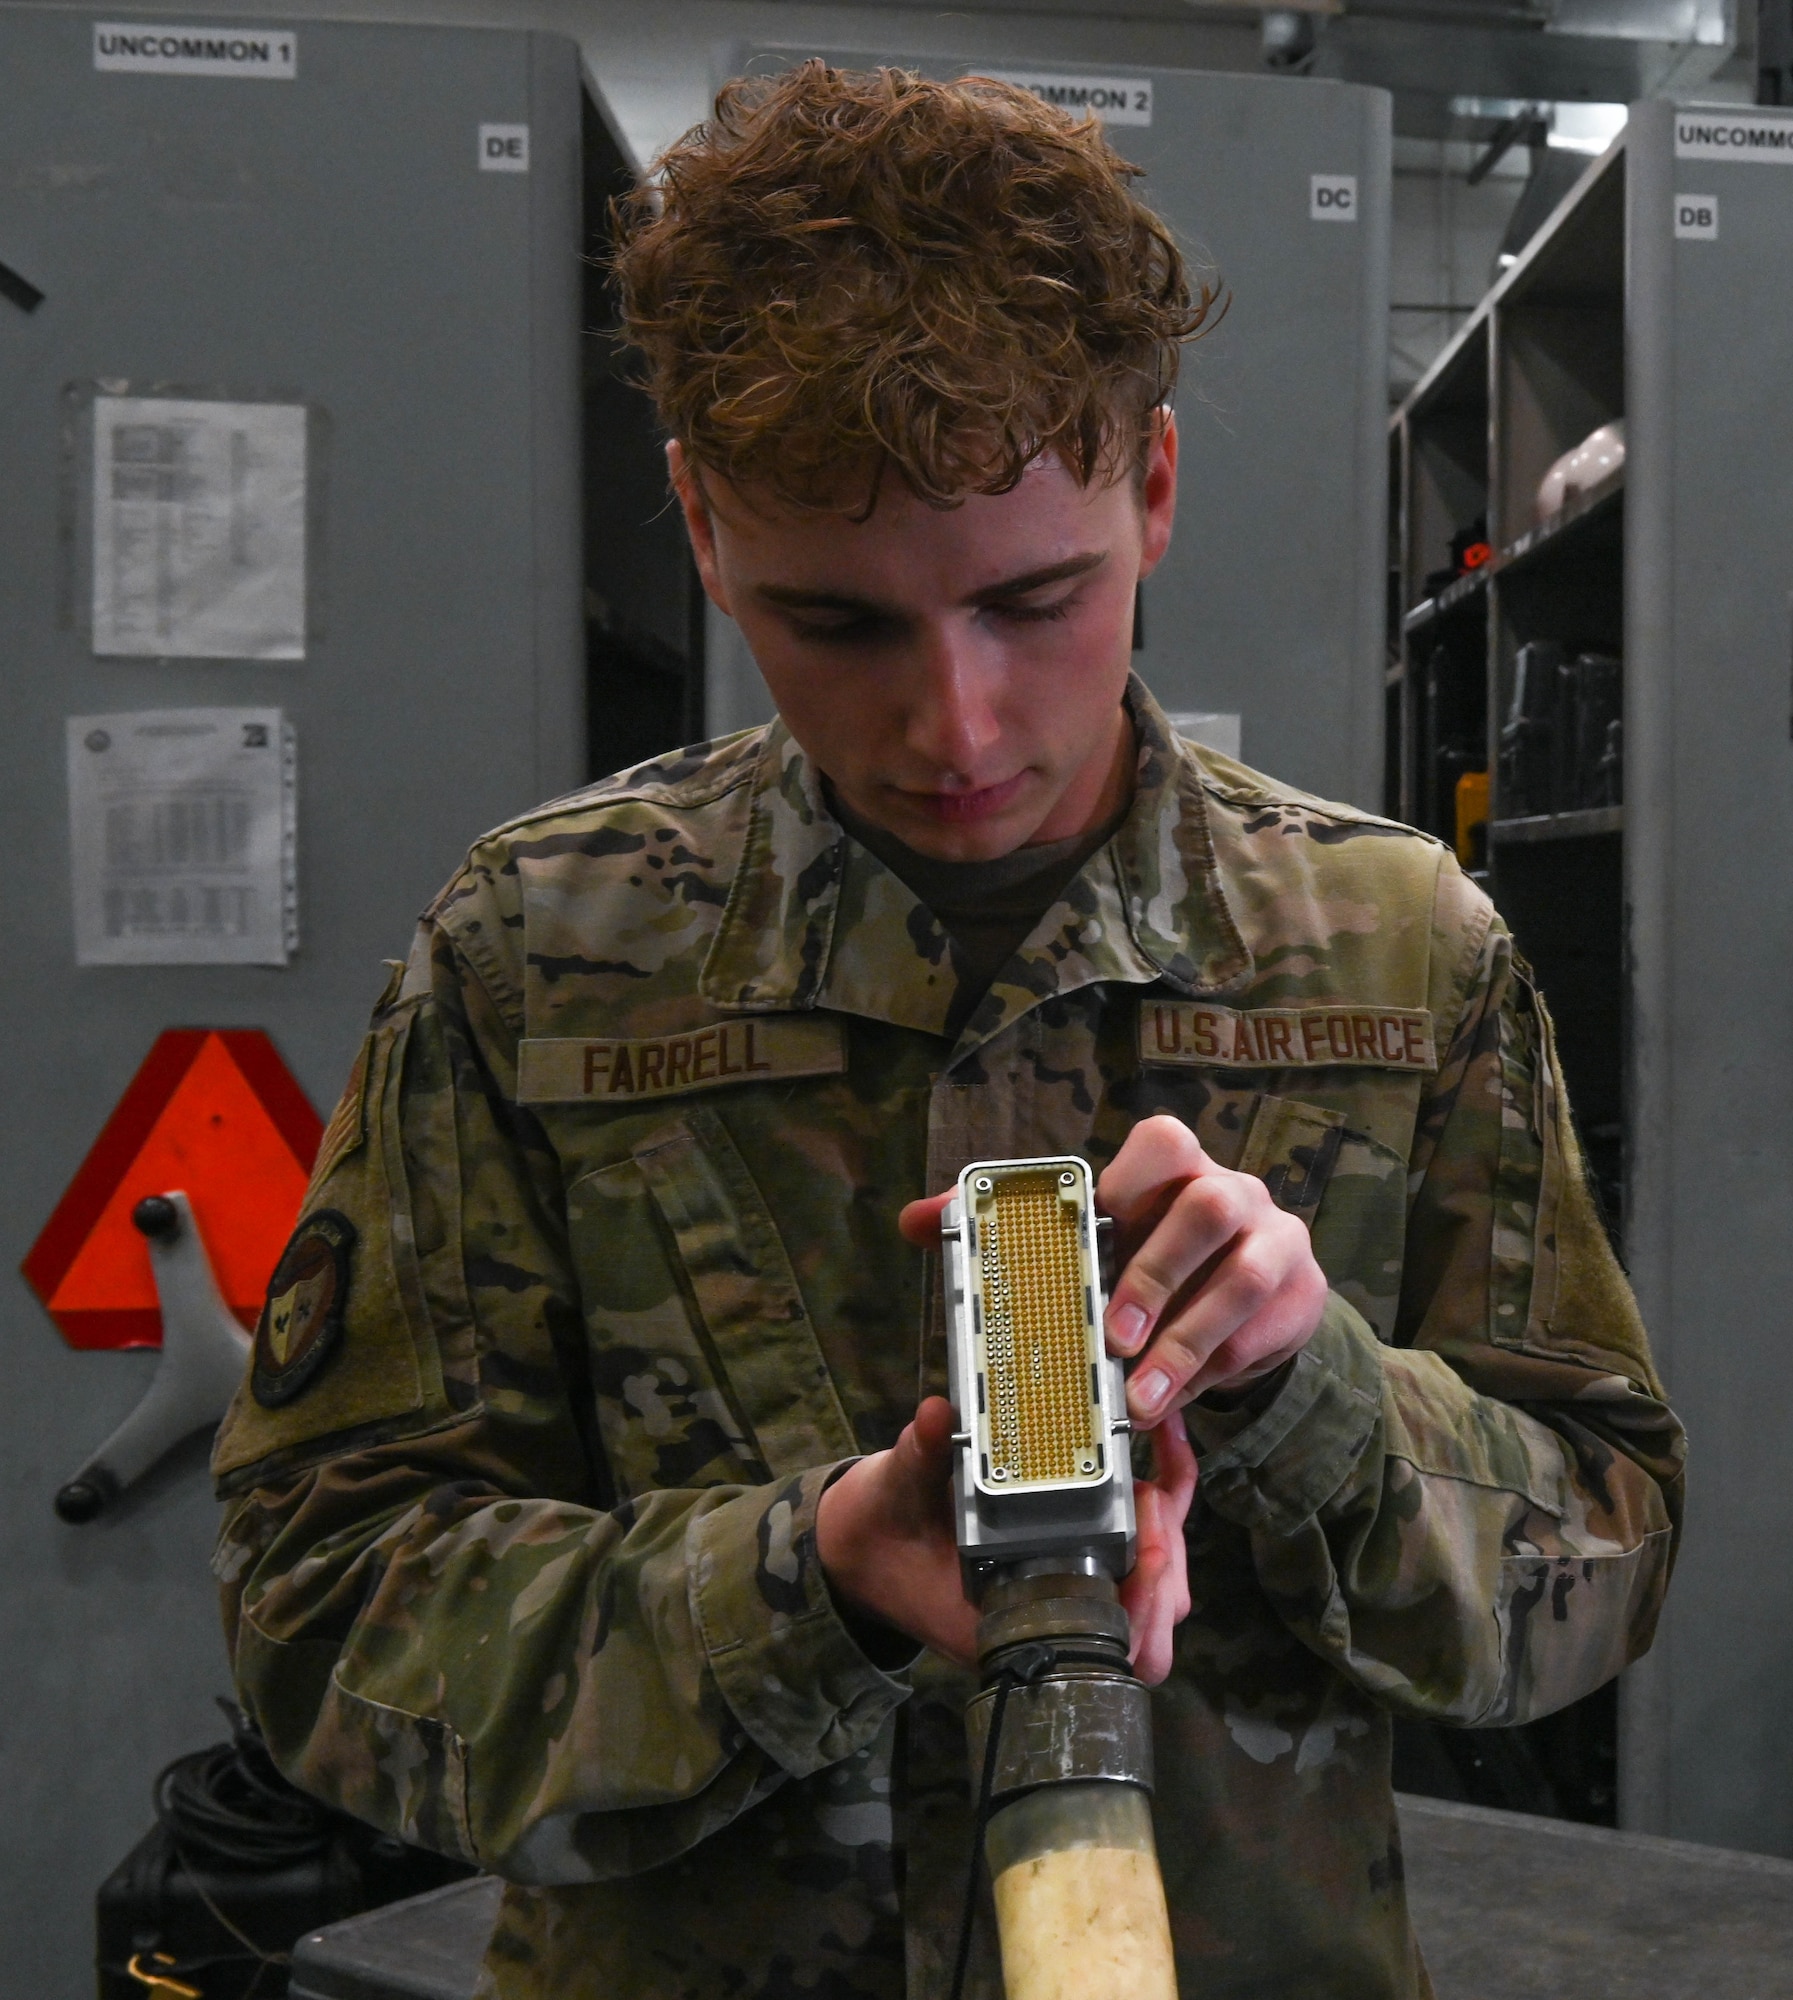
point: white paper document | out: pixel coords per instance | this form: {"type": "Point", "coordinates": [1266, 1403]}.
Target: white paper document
{"type": "Point", "coordinates": [182, 837]}
{"type": "Point", "coordinates": [198, 529]}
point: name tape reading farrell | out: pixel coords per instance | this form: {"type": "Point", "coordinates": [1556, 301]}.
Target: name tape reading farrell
{"type": "Point", "coordinates": [212, 50]}
{"type": "Point", "coordinates": [571, 1070]}
{"type": "Point", "coordinates": [1323, 1037]}
{"type": "Point", "coordinates": [1116, 100]}
{"type": "Point", "coordinates": [1720, 135]}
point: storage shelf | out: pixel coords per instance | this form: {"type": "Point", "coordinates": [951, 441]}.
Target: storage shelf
{"type": "Point", "coordinates": [1452, 598]}
{"type": "Point", "coordinates": [1671, 569]}
{"type": "Point", "coordinates": [1586, 507]}
{"type": "Point", "coordinates": [1558, 826]}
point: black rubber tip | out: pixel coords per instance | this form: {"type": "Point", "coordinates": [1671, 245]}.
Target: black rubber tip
{"type": "Point", "coordinates": [79, 1501]}
{"type": "Point", "coordinates": [158, 1218]}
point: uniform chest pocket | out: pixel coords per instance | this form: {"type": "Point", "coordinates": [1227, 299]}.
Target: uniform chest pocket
{"type": "Point", "coordinates": [705, 1366]}
{"type": "Point", "coordinates": [1350, 1190]}
{"type": "Point", "coordinates": [1293, 1149]}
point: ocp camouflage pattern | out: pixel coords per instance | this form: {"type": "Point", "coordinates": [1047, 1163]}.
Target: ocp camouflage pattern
{"type": "Point", "coordinates": [528, 1573]}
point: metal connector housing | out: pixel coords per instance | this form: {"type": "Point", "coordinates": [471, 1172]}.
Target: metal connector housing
{"type": "Point", "coordinates": [1043, 1467]}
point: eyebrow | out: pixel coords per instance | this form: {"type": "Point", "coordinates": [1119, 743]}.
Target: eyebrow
{"type": "Point", "coordinates": [794, 598]}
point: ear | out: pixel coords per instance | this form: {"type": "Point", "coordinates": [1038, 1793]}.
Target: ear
{"type": "Point", "coordinates": [1158, 490]}
{"type": "Point", "coordinates": [687, 487]}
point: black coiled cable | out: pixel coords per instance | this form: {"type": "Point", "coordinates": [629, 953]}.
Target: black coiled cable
{"type": "Point", "coordinates": [230, 1804]}
{"type": "Point", "coordinates": [229, 1826]}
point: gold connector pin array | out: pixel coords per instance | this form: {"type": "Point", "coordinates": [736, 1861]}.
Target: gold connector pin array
{"type": "Point", "coordinates": [1035, 1295]}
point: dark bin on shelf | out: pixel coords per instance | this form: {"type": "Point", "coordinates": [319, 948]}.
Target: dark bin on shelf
{"type": "Point", "coordinates": [1528, 736]}
{"type": "Point", "coordinates": [1588, 713]}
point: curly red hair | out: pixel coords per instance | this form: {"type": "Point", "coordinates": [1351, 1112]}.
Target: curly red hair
{"type": "Point", "coordinates": [844, 273]}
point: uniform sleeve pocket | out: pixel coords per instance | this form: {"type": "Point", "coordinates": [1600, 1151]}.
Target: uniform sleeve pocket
{"type": "Point", "coordinates": [1307, 1156]}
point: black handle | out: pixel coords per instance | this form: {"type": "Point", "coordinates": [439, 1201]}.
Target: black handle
{"type": "Point", "coordinates": [158, 1218]}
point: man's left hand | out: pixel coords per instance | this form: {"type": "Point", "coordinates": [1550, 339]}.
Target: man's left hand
{"type": "Point", "coordinates": [1218, 1286]}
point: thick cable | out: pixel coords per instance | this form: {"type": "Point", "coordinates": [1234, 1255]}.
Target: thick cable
{"type": "Point", "coordinates": [1020, 1668]}
{"type": "Point", "coordinates": [1005, 1680]}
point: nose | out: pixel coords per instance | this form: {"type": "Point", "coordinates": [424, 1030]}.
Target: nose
{"type": "Point", "coordinates": [953, 722]}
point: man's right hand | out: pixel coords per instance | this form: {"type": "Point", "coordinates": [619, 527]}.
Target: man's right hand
{"type": "Point", "coordinates": [884, 1532]}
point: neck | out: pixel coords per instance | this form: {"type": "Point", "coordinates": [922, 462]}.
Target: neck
{"type": "Point", "coordinates": [1099, 793]}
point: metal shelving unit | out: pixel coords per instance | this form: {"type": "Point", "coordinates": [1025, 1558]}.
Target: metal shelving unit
{"type": "Point", "coordinates": [1660, 926]}
{"type": "Point", "coordinates": [1558, 826]}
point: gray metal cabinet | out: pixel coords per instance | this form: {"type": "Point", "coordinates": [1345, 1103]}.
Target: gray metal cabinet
{"type": "Point", "coordinates": [1269, 604]}
{"type": "Point", "coordinates": [1653, 898]}
{"type": "Point", "coordinates": [1709, 857]}
{"type": "Point", "coordinates": [328, 239]}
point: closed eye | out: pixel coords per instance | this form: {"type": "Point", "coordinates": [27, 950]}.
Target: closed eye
{"type": "Point", "coordinates": [1035, 614]}
{"type": "Point", "coordinates": [855, 628]}
{"type": "Point", "coordinates": [1016, 612]}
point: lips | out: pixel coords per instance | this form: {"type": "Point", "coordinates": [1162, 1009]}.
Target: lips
{"type": "Point", "coordinates": [965, 808]}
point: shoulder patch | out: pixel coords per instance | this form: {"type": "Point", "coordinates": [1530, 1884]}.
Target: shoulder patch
{"type": "Point", "coordinates": [348, 1122]}
{"type": "Point", "coordinates": [301, 1322]}
{"type": "Point", "coordinates": [1326, 1035]}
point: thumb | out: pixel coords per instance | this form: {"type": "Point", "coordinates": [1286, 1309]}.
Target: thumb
{"type": "Point", "coordinates": [930, 1437]}
{"type": "Point", "coordinates": [921, 1460]}
{"type": "Point", "coordinates": [920, 1221]}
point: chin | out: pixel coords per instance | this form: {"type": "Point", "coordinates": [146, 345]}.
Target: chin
{"type": "Point", "coordinates": [966, 840]}
{"type": "Point", "coordinates": [983, 845]}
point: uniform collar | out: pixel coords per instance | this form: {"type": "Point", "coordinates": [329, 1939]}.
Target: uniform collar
{"type": "Point", "coordinates": [815, 920]}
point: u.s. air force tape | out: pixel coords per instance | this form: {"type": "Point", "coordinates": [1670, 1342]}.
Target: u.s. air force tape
{"type": "Point", "coordinates": [1324, 1036]}
{"type": "Point", "coordinates": [568, 1069]}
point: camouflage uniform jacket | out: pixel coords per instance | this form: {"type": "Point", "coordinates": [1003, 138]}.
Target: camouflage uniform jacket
{"type": "Point", "coordinates": [525, 1570]}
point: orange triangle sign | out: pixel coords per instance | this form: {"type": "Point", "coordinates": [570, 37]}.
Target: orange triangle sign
{"type": "Point", "coordinates": [213, 1112]}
